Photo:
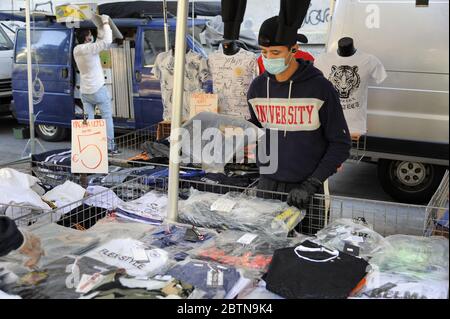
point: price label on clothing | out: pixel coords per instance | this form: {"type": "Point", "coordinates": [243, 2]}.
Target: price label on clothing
{"type": "Point", "coordinates": [88, 282]}
{"type": "Point", "coordinates": [223, 205]}
{"type": "Point", "coordinates": [204, 102]}
{"type": "Point", "coordinates": [214, 278]}
{"type": "Point", "coordinates": [247, 239]}
{"type": "Point", "coordinates": [89, 147]}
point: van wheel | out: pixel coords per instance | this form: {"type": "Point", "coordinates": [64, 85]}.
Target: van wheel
{"type": "Point", "coordinates": [410, 182]}
{"type": "Point", "coordinates": [51, 133]}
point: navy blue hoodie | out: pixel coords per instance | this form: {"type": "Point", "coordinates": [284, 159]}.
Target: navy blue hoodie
{"type": "Point", "coordinates": [313, 137]}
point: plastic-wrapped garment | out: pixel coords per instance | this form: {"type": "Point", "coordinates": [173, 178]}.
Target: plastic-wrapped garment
{"type": "Point", "coordinates": [102, 197]}
{"type": "Point", "coordinates": [57, 241]}
{"type": "Point", "coordinates": [121, 253]}
{"type": "Point", "coordinates": [59, 280]}
{"type": "Point", "coordinates": [150, 208]}
{"type": "Point", "coordinates": [17, 189]}
{"type": "Point", "coordinates": [110, 228]}
{"type": "Point", "coordinates": [154, 289]}
{"type": "Point", "coordinates": [225, 136]}
{"type": "Point", "coordinates": [415, 257]}
{"type": "Point", "coordinates": [178, 240]}
{"type": "Point", "coordinates": [243, 250]}
{"type": "Point", "coordinates": [239, 212]}
{"type": "Point", "coordinates": [390, 286]}
{"type": "Point", "coordinates": [343, 232]}
{"type": "Point", "coordinates": [121, 175]}
{"type": "Point", "coordinates": [214, 279]}
{"type": "Point", "coordinates": [4, 295]}
{"type": "Point", "coordinates": [66, 194]}
{"type": "Point", "coordinates": [258, 292]}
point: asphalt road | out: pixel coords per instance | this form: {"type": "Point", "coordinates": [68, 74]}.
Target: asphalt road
{"type": "Point", "coordinates": [356, 180]}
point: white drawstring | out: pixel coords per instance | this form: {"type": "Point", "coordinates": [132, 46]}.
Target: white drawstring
{"type": "Point", "coordinates": [268, 92]}
{"type": "Point", "coordinates": [334, 253]}
{"type": "Point", "coordinates": [289, 104]}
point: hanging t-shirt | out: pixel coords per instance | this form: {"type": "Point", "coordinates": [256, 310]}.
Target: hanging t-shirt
{"type": "Point", "coordinates": [196, 73]}
{"type": "Point", "coordinates": [351, 77]}
{"type": "Point", "coordinates": [232, 76]}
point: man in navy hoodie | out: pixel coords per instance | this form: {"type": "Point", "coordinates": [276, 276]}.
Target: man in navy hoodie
{"type": "Point", "coordinates": [295, 100]}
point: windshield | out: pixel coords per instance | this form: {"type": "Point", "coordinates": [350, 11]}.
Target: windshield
{"type": "Point", "coordinates": [5, 41]}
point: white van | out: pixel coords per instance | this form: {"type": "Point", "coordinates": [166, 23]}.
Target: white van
{"type": "Point", "coordinates": [6, 59]}
{"type": "Point", "coordinates": [408, 114]}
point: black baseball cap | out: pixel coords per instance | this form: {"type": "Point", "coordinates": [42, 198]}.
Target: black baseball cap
{"type": "Point", "coordinates": [271, 28]}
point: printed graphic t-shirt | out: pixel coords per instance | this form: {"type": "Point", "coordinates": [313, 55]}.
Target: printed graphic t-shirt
{"type": "Point", "coordinates": [351, 77]}
{"type": "Point", "coordinates": [232, 76]}
{"type": "Point", "coordinates": [196, 73]}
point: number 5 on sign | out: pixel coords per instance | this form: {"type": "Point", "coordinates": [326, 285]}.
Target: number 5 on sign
{"type": "Point", "coordinates": [89, 147]}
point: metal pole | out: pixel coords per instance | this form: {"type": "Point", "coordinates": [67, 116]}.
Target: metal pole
{"type": "Point", "coordinates": [332, 7]}
{"type": "Point", "coordinates": [178, 92]}
{"type": "Point", "coordinates": [166, 26]}
{"type": "Point", "coordinates": [30, 76]}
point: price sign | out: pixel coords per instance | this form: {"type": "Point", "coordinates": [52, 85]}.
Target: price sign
{"type": "Point", "coordinates": [89, 147]}
{"type": "Point", "coordinates": [203, 102]}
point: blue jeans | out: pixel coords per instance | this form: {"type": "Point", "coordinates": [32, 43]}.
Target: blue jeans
{"type": "Point", "coordinates": [101, 99]}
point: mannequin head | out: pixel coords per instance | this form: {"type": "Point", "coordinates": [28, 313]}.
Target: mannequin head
{"type": "Point", "coordinates": [230, 47]}
{"type": "Point", "coordinates": [346, 47]}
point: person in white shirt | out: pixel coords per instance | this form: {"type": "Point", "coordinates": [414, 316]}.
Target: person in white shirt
{"type": "Point", "coordinates": [93, 90]}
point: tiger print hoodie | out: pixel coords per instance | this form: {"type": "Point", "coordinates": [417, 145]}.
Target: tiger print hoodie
{"type": "Point", "coordinates": [305, 112]}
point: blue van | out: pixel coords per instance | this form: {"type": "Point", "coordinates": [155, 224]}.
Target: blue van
{"type": "Point", "coordinates": [53, 44]}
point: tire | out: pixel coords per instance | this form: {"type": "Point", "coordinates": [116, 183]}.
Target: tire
{"type": "Point", "coordinates": [409, 182]}
{"type": "Point", "coordinates": [51, 133]}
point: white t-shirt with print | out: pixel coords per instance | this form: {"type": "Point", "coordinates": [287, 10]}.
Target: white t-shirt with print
{"type": "Point", "coordinates": [232, 76]}
{"type": "Point", "coordinates": [196, 73]}
{"type": "Point", "coordinates": [351, 76]}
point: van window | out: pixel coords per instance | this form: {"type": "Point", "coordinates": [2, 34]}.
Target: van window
{"type": "Point", "coordinates": [48, 46]}
{"type": "Point", "coordinates": [154, 44]}
{"type": "Point", "coordinates": [5, 42]}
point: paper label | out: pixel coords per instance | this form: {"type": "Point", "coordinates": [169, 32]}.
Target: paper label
{"type": "Point", "coordinates": [88, 282]}
{"type": "Point", "coordinates": [247, 239]}
{"type": "Point", "coordinates": [139, 254]}
{"type": "Point", "coordinates": [223, 205]}
{"type": "Point", "coordinates": [204, 102]}
{"type": "Point", "coordinates": [214, 278]}
{"type": "Point", "coordinates": [355, 239]}
{"type": "Point", "coordinates": [89, 147]}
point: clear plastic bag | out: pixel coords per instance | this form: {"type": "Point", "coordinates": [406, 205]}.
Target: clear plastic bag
{"type": "Point", "coordinates": [178, 240]}
{"type": "Point", "coordinates": [414, 256]}
{"type": "Point", "coordinates": [353, 232]}
{"type": "Point", "coordinates": [249, 251]}
{"type": "Point", "coordinates": [225, 142]}
{"type": "Point", "coordinates": [239, 212]}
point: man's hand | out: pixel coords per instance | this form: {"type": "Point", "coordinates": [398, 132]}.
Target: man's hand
{"type": "Point", "coordinates": [105, 19]}
{"type": "Point", "coordinates": [31, 248]}
{"type": "Point", "coordinates": [300, 197]}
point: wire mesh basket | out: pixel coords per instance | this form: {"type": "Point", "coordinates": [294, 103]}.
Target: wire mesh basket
{"type": "Point", "coordinates": [359, 147]}
{"type": "Point", "coordinates": [130, 146]}
{"type": "Point", "coordinates": [386, 218]}
{"type": "Point", "coordinates": [437, 210]}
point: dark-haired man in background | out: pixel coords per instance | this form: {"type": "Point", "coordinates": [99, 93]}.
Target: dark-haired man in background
{"type": "Point", "coordinates": [93, 89]}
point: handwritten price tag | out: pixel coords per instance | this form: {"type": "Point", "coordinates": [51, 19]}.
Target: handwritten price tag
{"type": "Point", "coordinates": [89, 147]}
{"type": "Point", "coordinates": [203, 102]}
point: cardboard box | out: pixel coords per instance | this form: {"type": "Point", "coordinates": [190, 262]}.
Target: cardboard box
{"type": "Point", "coordinates": [70, 13]}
